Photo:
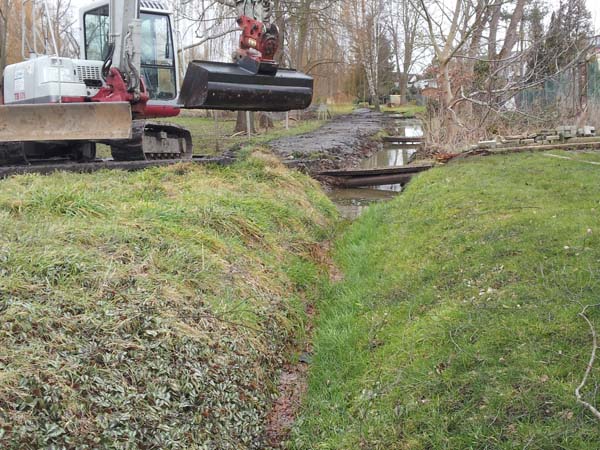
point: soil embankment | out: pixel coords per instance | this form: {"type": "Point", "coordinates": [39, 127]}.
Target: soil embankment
{"type": "Point", "coordinates": [342, 142]}
{"type": "Point", "coordinates": [461, 318]}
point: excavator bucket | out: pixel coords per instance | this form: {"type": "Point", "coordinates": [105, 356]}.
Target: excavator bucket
{"type": "Point", "coordinates": [214, 85]}
{"type": "Point", "coordinates": [65, 122]}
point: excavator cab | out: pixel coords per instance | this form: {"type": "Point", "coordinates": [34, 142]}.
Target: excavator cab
{"type": "Point", "coordinates": [158, 63]}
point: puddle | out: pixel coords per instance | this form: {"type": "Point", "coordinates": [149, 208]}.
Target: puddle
{"type": "Point", "coordinates": [352, 202]}
{"type": "Point", "coordinates": [391, 156]}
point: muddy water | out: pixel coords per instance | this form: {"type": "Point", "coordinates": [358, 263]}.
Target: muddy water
{"type": "Point", "coordinates": [352, 202]}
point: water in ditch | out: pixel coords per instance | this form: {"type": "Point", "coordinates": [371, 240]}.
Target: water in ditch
{"type": "Point", "coordinates": [352, 202]}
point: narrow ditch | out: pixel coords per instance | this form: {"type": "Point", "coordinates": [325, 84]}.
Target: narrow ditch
{"type": "Point", "coordinates": [352, 202]}
{"type": "Point", "coordinates": [293, 379]}
{"type": "Point", "coordinates": [357, 149]}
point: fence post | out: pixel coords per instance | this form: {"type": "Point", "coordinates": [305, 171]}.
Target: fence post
{"type": "Point", "coordinates": [287, 120]}
{"type": "Point", "coordinates": [216, 131]}
{"type": "Point", "coordinates": [248, 124]}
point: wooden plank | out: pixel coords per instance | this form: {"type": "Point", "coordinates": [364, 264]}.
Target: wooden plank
{"type": "Point", "coordinates": [399, 170]}
{"type": "Point", "coordinates": [403, 139]}
{"type": "Point", "coordinates": [374, 180]}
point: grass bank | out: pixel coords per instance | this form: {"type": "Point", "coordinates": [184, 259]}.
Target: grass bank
{"type": "Point", "coordinates": [456, 325]}
{"type": "Point", "coordinates": [151, 309]}
{"type": "Point", "coordinates": [409, 110]}
{"type": "Point", "coordinates": [208, 139]}
{"type": "Point", "coordinates": [211, 139]}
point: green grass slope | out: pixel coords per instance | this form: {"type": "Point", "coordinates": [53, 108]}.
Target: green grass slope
{"type": "Point", "coordinates": [210, 139]}
{"type": "Point", "coordinates": [151, 309]}
{"type": "Point", "coordinates": [457, 325]}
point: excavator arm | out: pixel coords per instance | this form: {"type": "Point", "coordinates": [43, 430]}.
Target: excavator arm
{"type": "Point", "coordinates": [253, 82]}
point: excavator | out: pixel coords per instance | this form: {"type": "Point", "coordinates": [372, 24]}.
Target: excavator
{"type": "Point", "coordinates": [127, 74]}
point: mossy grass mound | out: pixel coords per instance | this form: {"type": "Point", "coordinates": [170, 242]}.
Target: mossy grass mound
{"type": "Point", "coordinates": [151, 309]}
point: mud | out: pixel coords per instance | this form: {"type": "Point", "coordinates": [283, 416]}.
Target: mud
{"type": "Point", "coordinates": [293, 380]}
{"type": "Point", "coordinates": [342, 142]}
{"type": "Point", "coordinates": [292, 387]}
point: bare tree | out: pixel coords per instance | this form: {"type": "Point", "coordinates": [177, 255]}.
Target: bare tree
{"type": "Point", "coordinates": [365, 21]}
{"type": "Point", "coordinates": [5, 14]}
{"type": "Point", "coordinates": [449, 30]}
{"type": "Point", "coordinates": [403, 25]}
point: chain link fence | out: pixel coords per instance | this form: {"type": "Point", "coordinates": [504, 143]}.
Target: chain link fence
{"type": "Point", "coordinates": [569, 93]}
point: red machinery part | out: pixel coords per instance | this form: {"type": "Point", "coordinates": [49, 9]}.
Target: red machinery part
{"type": "Point", "coordinates": [264, 40]}
{"type": "Point", "coordinates": [157, 111]}
{"type": "Point", "coordinates": [116, 90]}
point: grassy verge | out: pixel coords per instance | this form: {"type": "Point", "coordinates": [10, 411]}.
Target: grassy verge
{"type": "Point", "coordinates": [205, 134]}
{"type": "Point", "coordinates": [457, 325]}
{"type": "Point", "coordinates": [338, 109]}
{"type": "Point", "coordinates": [151, 309]}
{"type": "Point", "coordinates": [211, 139]}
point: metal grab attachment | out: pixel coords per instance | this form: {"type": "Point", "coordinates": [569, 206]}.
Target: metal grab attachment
{"type": "Point", "coordinates": [214, 85]}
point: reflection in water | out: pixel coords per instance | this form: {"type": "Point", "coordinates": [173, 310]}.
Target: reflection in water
{"type": "Point", "coordinates": [352, 202]}
{"type": "Point", "coordinates": [408, 128]}
{"type": "Point", "coordinates": [394, 155]}
{"type": "Point", "coordinates": [391, 156]}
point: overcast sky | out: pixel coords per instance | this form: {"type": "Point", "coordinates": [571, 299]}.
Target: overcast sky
{"type": "Point", "coordinates": [594, 7]}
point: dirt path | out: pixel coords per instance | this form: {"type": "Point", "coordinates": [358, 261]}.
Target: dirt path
{"type": "Point", "coordinates": [342, 142]}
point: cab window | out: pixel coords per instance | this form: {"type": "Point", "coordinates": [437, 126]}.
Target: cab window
{"type": "Point", "coordinates": [158, 59]}
{"type": "Point", "coordinates": [96, 28]}
{"type": "Point", "coordinates": [157, 55]}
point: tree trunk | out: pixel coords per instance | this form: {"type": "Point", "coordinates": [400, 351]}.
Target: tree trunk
{"type": "Point", "coordinates": [280, 24]}
{"type": "Point", "coordinates": [512, 35]}
{"type": "Point", "coordinates": [404, 88]}
{"type": "Point", "coordinates": [376, 104]}
{"type": "Point", "coordinates": [372, 86]}
{"type": "Point", "coordinates": [474, 47]}
{"type": "Point", "coordinates": [4, 12]}
{"type": "Point", "coordinates": [265, 121]}
{"type": "Point", "coordinates": [399, 66]}
{"type": "Point", "coordinates": [493, 31]}
{"type": "Point", "coordinates": [409, 45]}
{"type": "Point", "coordinates": [303, 19]}
{"type": "Point", "coordinates": [446, 87]}
{"type": "Point", "coordinates": [240, 123]}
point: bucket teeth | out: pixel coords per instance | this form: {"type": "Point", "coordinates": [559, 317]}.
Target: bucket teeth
{"type": "Point", "coordinates": [212, 85]}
